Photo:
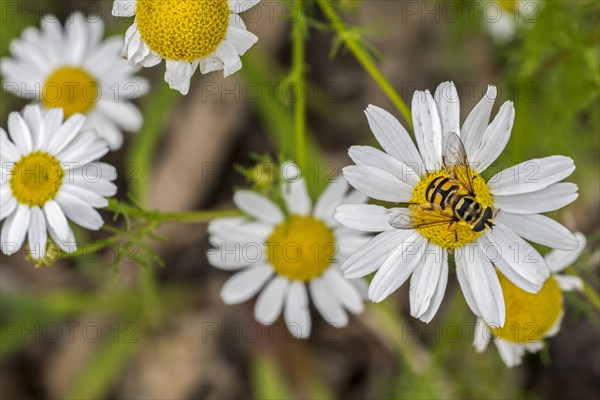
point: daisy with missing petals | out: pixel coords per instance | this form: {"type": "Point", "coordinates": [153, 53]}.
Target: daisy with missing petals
{"type": "Point", "coordinates": [49, 174]}
{"type": "Point", "coordinates": [187, 34]}
{"type": "Point", "coordinates": [73, 69]}
{"type": "Point", "coordinates": [450, 208]}
{"type": "Point", "coordinates": [285, 251]}
{"type": "Point", "coordinates": [530, 318]}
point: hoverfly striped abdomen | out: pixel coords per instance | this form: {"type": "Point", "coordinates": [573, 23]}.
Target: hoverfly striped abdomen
{"type": "Point", "coordinates": [440, 190]}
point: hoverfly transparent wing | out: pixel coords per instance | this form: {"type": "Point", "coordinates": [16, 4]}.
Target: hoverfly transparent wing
{"type": "Point", "coordinates": [456, 162]}
{"type": "Point", "coordinates": [429, 215]}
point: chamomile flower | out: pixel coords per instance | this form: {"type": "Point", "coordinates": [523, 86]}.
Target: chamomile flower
{"type": "Point", "coordinates": [73, 69]}
{"type": "Point", "coordinates": [503, 17]}
{"type": "Point", "coordinates": [530, 318]}
{"type": "Point", "coordinates": [416, 239]}
{"type": "Point", "coordinates": [50, 173]}
{"type": "Point", "coordinates": [187, 34]}
{"type": "Point", "coordinates": [288, 253]}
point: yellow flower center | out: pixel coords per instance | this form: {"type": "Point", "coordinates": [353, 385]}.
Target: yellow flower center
{"type": "Point", "coordinates": [183, 30]}
{"type": "Point", "coordinates": [301, 248]}
{"type": "Point", "coordinates": [529, 316]}
{"type": "Point", "coordinates": [72, 89]}
{"type": "Point", "coordinates": [36, 178]}
{"type": "Point", "coordinates": [446, 235]}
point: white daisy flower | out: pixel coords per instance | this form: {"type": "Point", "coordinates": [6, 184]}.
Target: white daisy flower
{"type": "Point", "coordinates": [530, 318]}
{"type": "Point", "coordinates": [403, 174]}
{"type": "Point", "coordinates": [50, 173]}
{"type": "Point", "coordinates": [73, 69]}
{"type": "Point", "coordinates": [187, 34]}
{"type": "Point", "coordinates": [503, 17]}
{"type": "Point", "coordinates": [290, 252]}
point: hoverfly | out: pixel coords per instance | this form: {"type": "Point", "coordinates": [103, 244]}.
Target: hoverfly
{"type": "Point", "coordinates": [451, 199]}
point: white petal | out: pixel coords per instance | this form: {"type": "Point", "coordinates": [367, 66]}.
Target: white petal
{"type": "Point", "coordinates": [374, 253]}
{"type": "Point", "coordinates": [228, 54]}
{"type": "Point", "coordinates": [515, 258]}
{"type": "Point", "coordinates": [8, 151]}
{"type": "Point", "coordinates": [296, 197]}
{"type": "Point", "coordinates": [398, 267]}
{"type": "Point", "coordinates": [365, 217]}
{"type": "Point", "coordinates": [178, 75]}
{"type": "Point", "coordinates": [331, 197]}
{"type": "Point", "coordinates": [126, 115]}
{"type": "Point", "coordinates": [14, 230]}
{"type": "Point", "coordinates": [53, 120]}
{"type": "Point", "coordinates": [370, 156]}
{"type": "Point", "coordinates": [296, 313]}
{"type": "Point", "coordinates": [428, 283]}
{"type": "Point", "coordinates": [210, 64]}
{"type": "Point", "coordinates": [240, 38]}
{"type": "Point", "coordinates": [481, 281]}
{"type": "Point", "coordinates": [258, 207]}
{"type": "Point", "coordinates": [66, 133]}
{"type": "Point", "coordinates": [79, 211]}
{"type": "Point", "coordinates": [327, 303]}
{"type": "Point", "coordinates": [539, 229]}
{"type": "Point", "coordinates": [465, 286]}
{"type": "Point", "coordinates": [531, 175]}
{"type": "Point", "coordinates": [68, 245]}
{"type": "Point", "coordinates": [549, 199]}
{"type": "Point", "coordinates": [85, 148]}
{"type": "Point", "coordinates": [124, 8]}
{"type": "Point", "coordinates": [88, 196]}
{"type": "Point", "coordinates": [234, 255]}
{"type": "Point", "coordinates": [448, 104]}
{"type": "Point", "coordinates": [35, 121]}
{"type": "Point", "coordinates": [37, 233]}
{"type": "Point", "coordinates": [481, 336]}
{"type": "Point", "coordinates": [477, 121]}
{"type": "Point", "coordinates": [56, 220]}
{"type": "Point", "coordinates": [270, 301]}
{"type": "Point", "coordinates": [495, 138]}
{"type": "Point", "coordinates": [239, 229]}
{"type": "Point", "coordinates": [19, 133]}
{"type": "Point", "coordinates": [568, 283]}
{"type": "Point", "coordinates": [8, 203]}
{"type": "Point", "coordinates": [346, 293]}
{"type": "Point", "coordinates": [239, 6]}
{"type": "Point", "coordinates": [428, 129]}
{"type": "Point", "coordinates": [77, 38]}
{"type": "Point", "coordinates": [394, 139]}
{"type": "Point", "coordinates": [558, 260]}
{"type": "Point", "coordinates": [511, 353]}
{"type": "Point", "coordinates": [245, 284]}
{"type": "Point", "coordinates": [378, 184]}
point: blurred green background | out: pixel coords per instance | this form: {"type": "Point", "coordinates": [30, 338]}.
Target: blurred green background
{"type": "Point", "coordinates": [117, 325]}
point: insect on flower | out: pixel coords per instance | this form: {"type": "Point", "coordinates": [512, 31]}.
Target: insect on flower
{"type": "Point", "coordinates": [451, 199]}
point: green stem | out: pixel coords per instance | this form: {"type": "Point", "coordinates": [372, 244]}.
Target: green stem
{"type": "Point", "coordinates": [364, 58]}
{"type": "Point", "coordinates": [298, 69]}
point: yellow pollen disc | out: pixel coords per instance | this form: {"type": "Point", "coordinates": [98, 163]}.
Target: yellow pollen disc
{"type": "Point", "coordinates": [36, 178]}
{"type": "Point", "coordinates": [446, 235]}
{"type": "Point", "coordinates": [529, 316]}
{"type": "Point", "coordinates": [301, 248]}
{"type": "Point", "coordinates": [72, 89]}
{"type": "Point", "coordinates": [183, 30]}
